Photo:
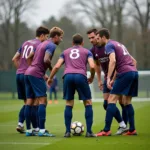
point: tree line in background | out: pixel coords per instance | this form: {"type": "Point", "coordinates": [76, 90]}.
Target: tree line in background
{"type": "Point", "coordinates": [127, 20]}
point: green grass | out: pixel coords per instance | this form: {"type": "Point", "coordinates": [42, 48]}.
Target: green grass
{"type": "Point", "coordinates": [11, 140]}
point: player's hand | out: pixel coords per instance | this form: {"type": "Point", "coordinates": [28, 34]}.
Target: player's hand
{"type": "Point", "coordinates": [112, 83]}
{"type": "Point", "coordinates": [49, 82]}
{"type": "Point", "coordinates": [100, 85]}
{"type": "Point", "coordinates": [109, 83]}
{"type": "Point", "coordinates": [90, 80]}
{"type": "Point", "coordinates": [45, 77]}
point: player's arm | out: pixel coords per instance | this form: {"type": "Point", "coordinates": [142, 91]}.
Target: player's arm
{"type": "Point", "coordinates": [92, 67]}
{"type": "Point", "coordinates": [113, 79]}
{"type": "Point", "coordinates": [110, 50]}
{"type": "Point", "coordinates": [98, 72]}
{"type": "Point", "coordinates": [47, 60]}
{"type": "Point", "coordinates": [16, 59]}
{"type": "Point", "coordinates": [111, 67]}
{"type": "Point", "coordinates": [54, 70]}
{"type": "Point", "coordinates": [48, 55]}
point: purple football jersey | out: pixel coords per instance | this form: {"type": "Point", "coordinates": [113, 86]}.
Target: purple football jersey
{"type": "Point", "coordinates": [76, 59]}
{"type": "Point", "coordinates": [38, 67]}
{"type": "Point", "coordinates": [124, 61]}
{"type": "Point", "coordinates": [25, 50]}
{"type": "Point", "coordinates": [99, 54]}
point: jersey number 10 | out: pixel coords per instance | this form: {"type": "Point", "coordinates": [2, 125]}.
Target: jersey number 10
{"type": "Point", "coordinates": [27, 51]}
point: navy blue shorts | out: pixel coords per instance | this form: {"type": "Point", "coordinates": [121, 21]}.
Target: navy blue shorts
{"type": "Point", "coordinates": [77, 82]}
{"type": "Point", "coordinates": [126, 84]}
{"type": "Point", "coordinates": [35, 87]}
{"type": "Point", "coordinates": [105, 88]}
{"type": "Point", "coordinates": [21, 86]}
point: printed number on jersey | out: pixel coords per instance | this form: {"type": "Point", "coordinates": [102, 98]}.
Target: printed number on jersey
{"type": "Point", "coordinates": [74, 54]}
{"type": "Point", "coordinates": [27, 51]}
{"type": "Point", "coordinates": [125, 52]}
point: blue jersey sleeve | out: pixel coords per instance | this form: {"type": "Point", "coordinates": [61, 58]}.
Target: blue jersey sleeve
{"type": "Point", "coordinates": [92, 50]}
{"type": "Point", "coordinates": [19, 50]}
{"type": "Point", "coordinates": [90, 54]}
{"type": "Point", "coordinates": [109, 48]}
{"type": "Point", "coordinates": [62, 55]}
{"type": "Point", "coordinates": [50, 48]}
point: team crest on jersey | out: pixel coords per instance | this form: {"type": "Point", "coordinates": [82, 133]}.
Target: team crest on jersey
{"type": "Point", "coordinates": [96, 55]}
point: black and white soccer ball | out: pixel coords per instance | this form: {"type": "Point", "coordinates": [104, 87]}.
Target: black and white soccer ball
{"type": "Point", "coordinates": [77, 128]}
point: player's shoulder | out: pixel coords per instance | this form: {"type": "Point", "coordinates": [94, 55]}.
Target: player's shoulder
{"type": "Point", "coordinates": [111, 43]}
{"type": "Point", "coordinates": [50, 44]}
{"type": "Point", "coordinates": [32, 42]}
{"type": "Point", "coordinates": [92, 49]}
{"type": "Point", "coordinates": [84, 49]}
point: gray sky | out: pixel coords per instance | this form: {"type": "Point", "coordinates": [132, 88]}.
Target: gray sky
{"type": "Point", "coordinates": [46, 8]}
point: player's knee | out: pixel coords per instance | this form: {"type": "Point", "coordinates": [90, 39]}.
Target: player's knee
{"type": "Point", "coordinates": [112, 98]}
{"type": "Point", "coordinates": [70, 102]}
{"type": "Point", "coordinates": [87, 102]}
{"type": "Point", "coordinates": [105, 104]}
{"type": "Point", "coordinates": [42, 100]}
{"type": "Point", "coordinates": [29, 101]}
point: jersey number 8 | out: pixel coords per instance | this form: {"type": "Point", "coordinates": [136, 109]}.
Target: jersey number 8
{"type": "Point", "coordinates": [74, 54]}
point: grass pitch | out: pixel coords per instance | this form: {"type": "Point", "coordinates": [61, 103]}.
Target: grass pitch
{"type": "Point", "coordinates": [11, 140]}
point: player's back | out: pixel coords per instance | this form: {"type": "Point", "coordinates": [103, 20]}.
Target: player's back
{"type": "Point", "coordinates": [75, 59]}
{"type": "Point", "coordinates": [25, 50]}
{"type": "Point", "coordinates": [124, 62]}
{"type": "Point", "coordinates": [38, 67]}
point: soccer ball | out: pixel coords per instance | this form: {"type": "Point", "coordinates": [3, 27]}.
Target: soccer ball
{"type": "Point", "coordinates": [77, 128]}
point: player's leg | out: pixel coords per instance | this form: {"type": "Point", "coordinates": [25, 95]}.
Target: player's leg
{"type": "Point", "coordinates": [84, 93]}
{"type": "Point", "coordinates": [34, 116]}
{"type": "Point", "coordinates": [106, 92]}
{"type": "Point", "coordinates": [132, 92]}
{"type": "Point", "coordinates": [122, 127]}
{"type": "Point", "coordinates": [124, 112]}
{"type": "Point", "coordinates": [68, 116]}
{"type": "Point", "coordinates": [115, 93]}
{"type": "Point", "coordinates": [21, 96]}
{"type": "Point", "coordinates": [68, 95]}
{"type": "Point", "coordinates": [20, 126]}
{"type": "Point", "coordinates": [89, 117]}
{"type": "Point", "coordinates": [110, 113]}
{"type": "Point", "coordinates": [28, 107]}
{"type": "Point", "coordinates": [39, 88]}
{"type": "Point", "coordinates": [130, 110]}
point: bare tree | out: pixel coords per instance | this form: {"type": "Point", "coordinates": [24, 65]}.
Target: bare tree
{"type": "Point", "coordinates": [119, 6]}
{"type": "Point", "coordinates": [6, 13]}
{"type": "Point", "coordinates": [11, 12]}
{"type": "Point", "coordinates": [95, 11]}
{"type": "Point", "coordinates": [106, 13]}
{"type": "Point", "coordinates": [142, 15]}
{"type": "Point", "coordinates": [20, 7]}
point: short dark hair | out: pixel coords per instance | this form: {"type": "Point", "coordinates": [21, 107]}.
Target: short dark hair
{"type": "Point", "coordinates": [104, 32]}
{"type": "Point", "coordinates": [41, 30]}
{"type": "Point", "coordinates": [77, 39]}
{"type": "Point", "coordinates": [56, 31]}
{"type": "Point", "coordinates": [92, 30]}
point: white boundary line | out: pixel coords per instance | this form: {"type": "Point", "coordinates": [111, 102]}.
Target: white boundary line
{"type": "Point", "coordinates": [22, 143]}
{"type": "Point", "coordinates": [133, 100]}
